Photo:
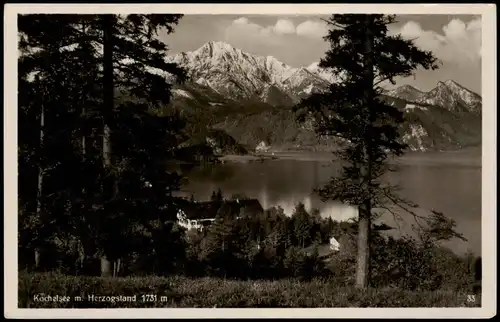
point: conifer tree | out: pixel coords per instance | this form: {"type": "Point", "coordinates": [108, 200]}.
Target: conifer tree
{"type": "Point", "coordinates": [362, 56]}
{"type": "Point", "coordinates": [50, 81]}
{"type": "Point", "coordinates": [219, 196]}
{"type": "Point", "coordinates": [121, 55]}
{"type": "Point", "coordinates": [302, 225]}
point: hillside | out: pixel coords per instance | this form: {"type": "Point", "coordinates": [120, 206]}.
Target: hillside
{"type": "Point", "coordinates": [219, 141]}
{"type": "Point", "coordinates": [435, 127]}
{"type": "Point", "coordinates": [251, 98]}
{"type": "Point", "coordinates": [241, 76]}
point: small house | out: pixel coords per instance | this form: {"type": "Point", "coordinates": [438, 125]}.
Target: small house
{"type": "Point", "coordinates": [248, 206]}
{"type": "Point", "coordinates": [262, 147]}
{"type": "Point", "coordinates": [199, 215]}
{"type": "Point", "coordinates": [325, 250]}
{"type": "Point", "coordinates": [334, 244]}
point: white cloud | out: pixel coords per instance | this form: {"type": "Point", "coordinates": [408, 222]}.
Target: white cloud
{"type": "Point", "coordinates": [244, 25]}
{"type": "Point", "coordinates": [308, 28]}
{"type": "Point", "coordinates": [284, 26]}
{"type": "Point", "coordinates": [241, 21]}
{"type": "Point", "coordinates": [313, 29]}
{"type": "Point", "coordinates": [459, 42]}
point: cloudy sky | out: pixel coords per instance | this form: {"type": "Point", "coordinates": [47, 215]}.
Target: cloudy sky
{"type": "Point", "coordinates": [297, 41]}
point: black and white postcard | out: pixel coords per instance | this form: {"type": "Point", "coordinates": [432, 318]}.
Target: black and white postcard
{"type": "Point", "coordinates": [232, 160]}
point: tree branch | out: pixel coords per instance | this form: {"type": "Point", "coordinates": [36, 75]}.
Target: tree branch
{"type": "Point", "coordinates": [333, 23]}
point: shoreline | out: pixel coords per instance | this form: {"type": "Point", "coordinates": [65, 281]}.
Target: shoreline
{"type": "Point", "coordinates": [470, 156]}
{"type": "Point", "coordinates": [234, 158]}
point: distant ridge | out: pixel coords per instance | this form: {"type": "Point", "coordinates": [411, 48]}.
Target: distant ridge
{"type": "Point", "coordinates": [250, 97]}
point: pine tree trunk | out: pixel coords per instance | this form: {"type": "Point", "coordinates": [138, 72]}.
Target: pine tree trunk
{"type": "Point", "coordinates": [363, 260]}
{"type": "Point", "coordinates": [40, 180]}
{"type": "Point", "coordinates": [364, 224]}
{"type": "Point", "coordinates": [118, 265]}
{"type": "Point", "coordinates": [105, 266]}
{"type": "Point", "coordinates": [84, 132]}
{"type": "Point", "coordinates": [37, 258]}
{"type": "Point", "coordinates": [108, 110]}
{"type": "Point", "coordinates": [83, 252]}
{"type": "Point", "coordinates": [81, 257]}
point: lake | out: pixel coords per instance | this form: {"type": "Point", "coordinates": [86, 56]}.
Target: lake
{"type": "Point", "coordinates": [449, 182]}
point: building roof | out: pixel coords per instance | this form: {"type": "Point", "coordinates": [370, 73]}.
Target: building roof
{"type": "Point", "coordinates": [324, 250]}
{"type": "Point", "coordinates": [210, 209]}
{"type": "Point", "coordinates": [200, 210]}
{"type": "Point", "coordinates": [252, 205]}
{"type": "Point", "coordinates": [230, 208]}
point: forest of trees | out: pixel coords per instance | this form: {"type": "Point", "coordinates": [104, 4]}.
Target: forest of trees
{"type": "Point", "coordinates": [92, 151]}
{"type": "Point", "coordinates": [97, 193]}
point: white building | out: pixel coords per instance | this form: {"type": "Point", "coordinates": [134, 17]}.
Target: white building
{"type": "Point", "coordinates": [196, 223]}
{"type": "Point", "coordinates": [262, 147]}
{"type": "Point", "coordinates": [199, 215]}
{"type": "Point", "coordinates": [334, 244]}
{"type": "Point", "coordinates": [187, 223]}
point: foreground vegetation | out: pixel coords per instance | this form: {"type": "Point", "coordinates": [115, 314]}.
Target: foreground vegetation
{"type": "Point", "coordinates": [262, 260]}
{"type": "Point", "coordinates": [212, 292]}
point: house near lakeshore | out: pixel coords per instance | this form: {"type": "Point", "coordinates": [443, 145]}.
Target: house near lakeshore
{"type": "Point", "coordinates": [334, 245]}
{"type": "Point", "coordinates": [262, 147]}
{"type": "Point", "coordinates": [324, 250]}
{"type": "Point", "coordinates": [341, 245]}
{"type": "Point", "coordinates": [199, 215]}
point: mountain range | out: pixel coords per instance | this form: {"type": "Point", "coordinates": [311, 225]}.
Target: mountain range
{"type": "Point", "coordinates": [250, 97]}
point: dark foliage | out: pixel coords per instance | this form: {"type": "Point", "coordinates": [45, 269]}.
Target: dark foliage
{"type": "Point", "coordinates": [78, 135]}
{"type": "Point", "coordinates": [89, 86]}
{"type": "Point", "coordinates": [367, 128]}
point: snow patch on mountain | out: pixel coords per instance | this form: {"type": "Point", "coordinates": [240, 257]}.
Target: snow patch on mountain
{"type": "Point", "coordinates": [406, 92]}
{"type": "Point", "coordinates": [453, 97]}
{"type": "Point", "coordinates": [321, 72]}
{"type": "Point", "coordinates": [236, 74]}
{"type": "Point", "coordinates": [449, 95]}
{"type": "Point", "coordinates": [308, 89]}
{"type": "Point", "coordinates": [409, 107]}
{"type": "Point", "coordinates": [183, 93]}
{"type": "Point", "coordinates": [468, 97]}
{"type": "Point", "coordinates": [414, 137]}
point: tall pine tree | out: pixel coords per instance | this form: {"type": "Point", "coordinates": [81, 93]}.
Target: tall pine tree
{"type": "Point", "coordinates": [50, 81]}
{"type": "Point", "coordinates": [106, 75]}
{"type": "Point", "coordinates": [362, 56]}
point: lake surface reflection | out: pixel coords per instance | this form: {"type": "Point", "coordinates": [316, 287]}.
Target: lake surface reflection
{"type": "Point", "coordinates": [449, 182]}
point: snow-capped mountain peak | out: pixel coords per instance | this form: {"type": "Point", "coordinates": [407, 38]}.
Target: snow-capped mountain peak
{"type": "Point", "coordinates": [406, 92]}
{"type": "Point", "coordinates": [453, 96]}
{"type": "Point", "coordinates": [452, 83]}
{"type": "Point", "coordinates": [466, 95]}
{"type": "Point", "coordinates": [313, 66]}
{"type": "Point", "coordinates": [222, 75]}
{"type": "Point", "coordinates": [448, 94]}
{"type": "Point", "coordinates": [217, 49]}
{"type": "Point", "coordinates": [321, 72]}
{"type": "Point", "coordinates": [240, 75]}
{"type": "Point", "coordinates": [220, 45]}
{"type": "Point", "coordinates": [408, 87]}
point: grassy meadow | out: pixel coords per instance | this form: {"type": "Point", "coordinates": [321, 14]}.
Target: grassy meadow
{"type": "Point", "coordinates": [210, 292]}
